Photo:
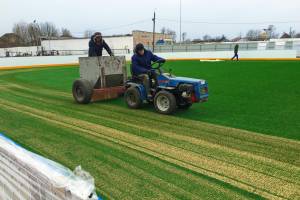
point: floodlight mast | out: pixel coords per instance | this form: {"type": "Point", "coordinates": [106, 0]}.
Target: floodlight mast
{"type": "Point", "coordinates": [180, 20]}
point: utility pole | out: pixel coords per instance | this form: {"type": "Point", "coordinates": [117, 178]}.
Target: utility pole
{"type": "Point", "coordinates": [180, 16]}
{"type": "Point", "coordinates": [153, 43]}
{"type": "Point", "coordinates": [36, 35]}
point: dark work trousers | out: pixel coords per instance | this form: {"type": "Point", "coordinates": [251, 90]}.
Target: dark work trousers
{"type": "Point", "coordinates": [147, 81]}
{"type": "Point", "coordinates": [236, 55]}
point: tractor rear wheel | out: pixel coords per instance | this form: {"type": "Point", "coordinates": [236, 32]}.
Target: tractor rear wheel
{"type": "Point", "coordinates": [165, 102]}
{"type": "Point", "coordinates": [133, 98]}
{"type": "Point", "coordinates": [82, 91]}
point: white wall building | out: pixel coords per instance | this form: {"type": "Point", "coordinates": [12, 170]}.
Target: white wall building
{"type": "Point", "coordinates": [121, 44]}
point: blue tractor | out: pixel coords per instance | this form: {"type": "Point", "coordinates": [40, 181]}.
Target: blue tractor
{"type": "Point", "coordinates": [168, 92]}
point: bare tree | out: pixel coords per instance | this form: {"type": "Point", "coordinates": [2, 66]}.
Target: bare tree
{"type": "Point", "coordinates": [207, 38]}
{"type": "Point", "coordinates": [163, 30]}
{"type": "Point", "coordinates": [197, 41]}
{"type": "Point", "coordinates": [88, 33]}
{"type": "Point", "coordinates": [28, 33]}
{"type": "Point", "coordinates": [253, 35]}
{"type": "Point", "coordinates": [21, 30]}
{"type": "Point", "coordinates": [171, 32]}
{"type": "Point", "coordinates": [66, 32]}
{"type": "Point", "coordinates": [168, 31]}
{"type": "Point", "coordinates": [297, 35]}
{"type": "Point", "coordinates": [221, 38]}
{"type": "Point", "coordinates": [48, 29]}
{"type": "Point", "coordinates": [292, 32]}
{"type": "Point", "coordinates": [34, 33]}
{"type": "Point", "coordinates": [188, 41]}
{"type": "Point", "coordinates": [271, 32]}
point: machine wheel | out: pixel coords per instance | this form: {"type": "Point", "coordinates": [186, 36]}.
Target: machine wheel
{"type": "Point", "coordinates": [133, 98]}
{"type": "Point", "coordinates": [82, 91]}
{"type": "Point", "coordinates": [165, 102]}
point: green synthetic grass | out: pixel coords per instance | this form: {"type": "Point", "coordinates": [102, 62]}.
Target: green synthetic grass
{"type": "Point", "coordinates": [255, 95]}
{"type": "Point", "coordinates": [139, 154]}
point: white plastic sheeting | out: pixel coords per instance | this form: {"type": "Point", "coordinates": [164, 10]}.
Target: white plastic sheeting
{"type": "Point", "coordinates": [28, 176]}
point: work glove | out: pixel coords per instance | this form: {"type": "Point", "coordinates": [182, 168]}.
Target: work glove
{"type": "Point", "coordinates": [151, 72]}
{"type": "Point", "coordinates": [162, 60]}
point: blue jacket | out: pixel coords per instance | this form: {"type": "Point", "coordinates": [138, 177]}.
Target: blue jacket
{"type": "Point", "coordinates": [96, 50]}
{"type": "Point", "coordinates": [142, 64]}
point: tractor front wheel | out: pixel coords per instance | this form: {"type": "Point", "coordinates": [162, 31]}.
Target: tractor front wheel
{"type": "Point", "coordinates": [165, 102]}
{"type": "Point", "coordinates": [133, 98]}
{"type": "Point", "coordinates": [82, 91]}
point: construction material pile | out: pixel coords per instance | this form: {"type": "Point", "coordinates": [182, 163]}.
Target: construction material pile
{"type": "Point", "coordinates": [25, 175]}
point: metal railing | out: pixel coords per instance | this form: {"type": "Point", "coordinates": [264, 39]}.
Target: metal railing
{"type": "Point", "coordinates": [206, 47]}
{"type": "Point", "coordinates": [59, 53]}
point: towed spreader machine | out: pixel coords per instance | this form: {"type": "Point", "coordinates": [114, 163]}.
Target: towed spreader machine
{"type": "Point", "coordinates": [101, 78]}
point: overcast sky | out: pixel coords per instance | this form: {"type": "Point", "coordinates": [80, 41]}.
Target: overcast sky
{"type": "Point", "coordinates": [114, 16]}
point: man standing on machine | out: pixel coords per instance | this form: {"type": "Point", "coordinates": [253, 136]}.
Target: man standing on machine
{"type": "Point", "coordinates": [141, 65]}
{"type": "Point", "coordinates": [97, 44]}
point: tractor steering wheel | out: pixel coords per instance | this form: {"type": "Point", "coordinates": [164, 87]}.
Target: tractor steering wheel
{"type": "Point", "coordinates": [160, 64]}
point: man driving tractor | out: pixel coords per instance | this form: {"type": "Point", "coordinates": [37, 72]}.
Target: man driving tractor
{"type": "Point", "coordinates": [97, 44]}
{"type": "Point", "coordinates": [141, 65]}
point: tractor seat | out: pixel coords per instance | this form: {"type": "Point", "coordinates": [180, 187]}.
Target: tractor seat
{"type": "Point", "coordinates": [134, 78]}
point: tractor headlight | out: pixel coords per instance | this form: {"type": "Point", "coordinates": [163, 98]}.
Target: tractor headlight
{"type": "Point", "coordinates": [203, 90]}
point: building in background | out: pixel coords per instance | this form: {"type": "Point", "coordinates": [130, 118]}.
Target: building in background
{"type": "Point", "coordinates": [124, 45]}
{"type": "Point", "coordinates": [146, 38]}
{"type": "Point", "coordinates": [120, 44]}
{"type": "Point", "coordinates": [72, 46]}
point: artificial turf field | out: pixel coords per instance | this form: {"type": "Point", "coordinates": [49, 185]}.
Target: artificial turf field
{"type": "Point", "coordinates": [242, 144]}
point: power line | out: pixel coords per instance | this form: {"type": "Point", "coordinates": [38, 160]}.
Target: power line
{"type": "Point", "coordinates": [229, 23]}
{"type": "Point", "coordinates": [116, 27]}
{"type": "Point", "coordinates": [126, 25]}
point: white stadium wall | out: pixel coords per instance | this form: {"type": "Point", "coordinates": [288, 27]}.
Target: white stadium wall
{"type": "Point", "coordinates": [31, 50]}
{"type": "Point", "coordinates": [122, 42]}
{"type": "Point", "coordinates": [228, 54]}
{"type": "Point", "coordinates": [67, 44]}
{"type": "Point", "coordinates": [55, 60]}
{"type": "Point", "coordinates": [37, 60]}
